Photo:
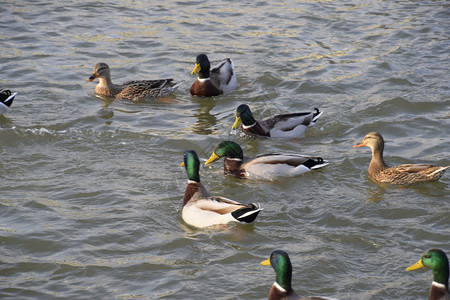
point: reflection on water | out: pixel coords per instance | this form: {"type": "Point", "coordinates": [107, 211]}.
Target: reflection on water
{"type": "Point", "coordinates": [376, 194]}
{"type": "Point", "coordinates": [206, 122]}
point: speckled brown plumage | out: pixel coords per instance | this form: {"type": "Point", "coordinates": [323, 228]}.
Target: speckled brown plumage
{"type": "Point", "coordinates": [401, 174]}
{"type": "Point", "coordinates": [131, 90]}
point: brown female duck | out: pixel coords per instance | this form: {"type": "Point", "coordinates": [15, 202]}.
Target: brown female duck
{"type": "Point", "coordinates": [401, 174]}
{"type": "Point", "coordinates": [130, 90]}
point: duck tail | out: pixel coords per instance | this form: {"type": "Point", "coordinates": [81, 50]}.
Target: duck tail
{"type": "Point", "coordinates": [317, 113]}
{"type": "Point", "coordinates": [6, 97]}
{"type": "Point", "coordinates": [439, 172]}
{"type": "Point", "coordinates": [247, 214]}
{"type": "Point", "coordinates": [176, 85]}
{"type": "Point", "coordinates": [316, 163]}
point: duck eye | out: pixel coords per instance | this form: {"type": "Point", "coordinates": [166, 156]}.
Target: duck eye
{"type": "Point", "coordinates": [427, 256]}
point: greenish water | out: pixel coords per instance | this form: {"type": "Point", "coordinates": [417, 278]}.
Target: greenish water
{"type": "Point", "coordinates": [91, 188]}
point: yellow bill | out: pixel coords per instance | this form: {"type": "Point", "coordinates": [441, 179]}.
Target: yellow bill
{"type": "Point", "coordinates": [415, 266]}
{"type": "Point", "coordinates": [237, 123]}
{"type": "Point", "coordinates": [182, 164]}
{"type": "Point", "coordinates": [197, 69]}
{"type": "Point", "coordinates": [212, 159]}
{"type": "Point", "coordinates": [266, 262]}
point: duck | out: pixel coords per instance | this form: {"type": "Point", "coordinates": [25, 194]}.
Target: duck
{"type": "Point", "coordinates": [402, 174]}
{"type": "Point", "coordinates": [265, 166]}
{"type": "Point", "coordinates": [131, 90]}
{"type": "Point", "coordinates": [291, 125]}
{"type": "Point", "coordinates": [282, 288]}
{"type": "Point", "coordinates": [219, 80]}
{"type": "Point", "coordinates": [437, 261]}
{"type": "Point", "coordinates": [6, 99]}
{"type": "Point", "coordinates": [201, 210]}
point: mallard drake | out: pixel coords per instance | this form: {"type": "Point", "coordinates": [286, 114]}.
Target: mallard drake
{"type": "Point", "coordinates": [437, 261]}
{"type": "Point", "coordinates": [401, 174]}
{"type": "Point", "coordinates": [266, 166]}
{"type": "Point", "coordinates": [281, 288]}
{"type": "Point", "coordinates": [130, 90]}
{"type": "Point", "coordinates": [202, 210]}
{"type": "Point", "coordinates": [278, 126]}
{"type": "Point", "coordinates": [213, 82]}
{"type": "Point", "coordinates": [6, 99]}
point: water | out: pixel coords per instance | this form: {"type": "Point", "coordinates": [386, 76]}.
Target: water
{"type": "Point", "coordinates": [91, 188]}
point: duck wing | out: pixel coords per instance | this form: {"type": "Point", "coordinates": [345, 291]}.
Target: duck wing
{"type": "Point", "coordinates": [218, 204]}
{"type": "Point", "coordinates": [141, 89]}
{"type": "Point", "coordinates": [410, 173]}
{"type": "Point", "coordinates": [223, 77]}
{"type": "Point", "coordinates": [414, 168]}
{"type": "Point", "coordinates": [288, 122]}
{"type": "Point", "coordinates": [150, 84]}
{"type": "Point", "coordinates": [271, 166]}
{"type": "Point", "coordinates": [278, 158]}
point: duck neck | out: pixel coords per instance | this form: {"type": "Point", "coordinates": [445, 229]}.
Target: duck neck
{"type": "Point", "coordinates": [256, 128]}
{"type": "Point", "coordinates": [248, 120]}
{"type": "Point", "coordinates": [232, 165]}
{"type": "Point", "coordinates": [284, 280]}
{"type": "Point", "coordinates": [440, 275]}
{"type": "Point", "coordinates": [377, 163]}
{"type": "Point", "coordinates": [204, 73]}
{"type": "Point", "coordinates": [438, 291]}
{"type": "Point", "coordinates": [194, 190]}
{"type": "Point", "coordinates": [105, 82]}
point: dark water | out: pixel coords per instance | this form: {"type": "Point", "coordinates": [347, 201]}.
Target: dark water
{"type": "Point", "coordinates": [91, 189]}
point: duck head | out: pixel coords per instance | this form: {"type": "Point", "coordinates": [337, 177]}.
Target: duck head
{"type": "Point", "coordinates": [202, 66]}
{"type": "Point", "coordinates": [374, 141]}
{"type": "Point", "coordinates": [101, 70]}
{"type": "Point", "coordinates": [435, 260]}
{"type": "Point", "coordinates": [280, 262]}
{"type": "Point", "coordinates": [243, 116]}
{"type": "Point", "coordinates": [192, 165]}
{"type": "Point", "coordinates": [228, 149]}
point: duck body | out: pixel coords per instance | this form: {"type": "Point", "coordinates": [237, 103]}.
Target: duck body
{"type": "Point", "coordinates": [200, 209]}
{"type": "Point", "coordinates": [402, 174]}
{"type": "Point", "coordinates": [6, 99]}
{"type": "Point", "coordinates": [213, 82]}
{"type": "Point", "coordinates": [437, 261]}
{"type": "Point", "coordinates": [131, 90]}
{"type": "Point", "coordinates": [265, 166]}
{"type": "Point", "coordinates": [291, 125]}
{"type": "Point", "coordinates": [281, 288]}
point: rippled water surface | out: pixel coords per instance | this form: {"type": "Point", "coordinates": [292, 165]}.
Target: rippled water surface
{"type": "Point", "coordinates": [91, 188]}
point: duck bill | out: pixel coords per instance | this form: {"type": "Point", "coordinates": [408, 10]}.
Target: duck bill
{"type": "Point", "coordinates": [93, 76]}
{"type": "Point", "coordinates": [197, 69]}
{"type": "Point", "coordinates": [359, 145]}
{"type": "Point", "coordinates": [237, 123]}
{"type": "Point", "coordinates": [266, 262]}
{"type": "Point", "coordinates": [415, 266]}
{"type": "Point", "coordinates": [212, 159]}
{"type": "Point", "coordinates": [182, 164]}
